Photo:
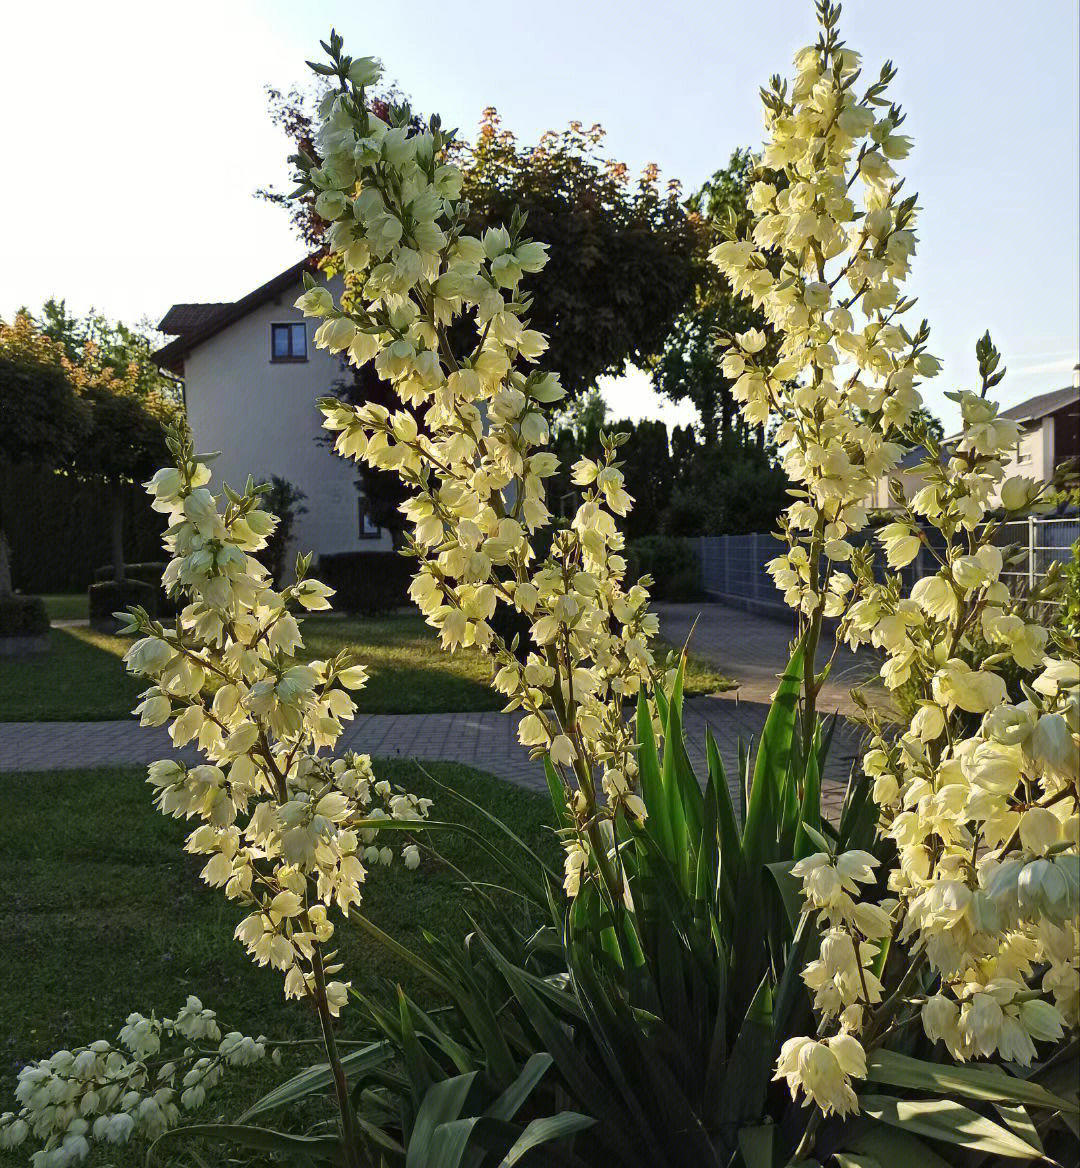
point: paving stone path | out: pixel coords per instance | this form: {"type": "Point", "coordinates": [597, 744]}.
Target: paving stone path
{"type": "Point", "coordinates": [751, 648]}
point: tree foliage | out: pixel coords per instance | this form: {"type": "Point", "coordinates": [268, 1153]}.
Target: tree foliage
{"type": "Point", "coordinates": [688, 368]}
{"type": "Point", "coordinates": [625, 252]}
{"type": "Point", "coordinates": [43, 416]}
{"type": "Point", "coordinates": [81, 394]}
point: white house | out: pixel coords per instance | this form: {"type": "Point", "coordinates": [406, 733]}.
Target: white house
{"type": "Point", "coordinates": [251, 378]}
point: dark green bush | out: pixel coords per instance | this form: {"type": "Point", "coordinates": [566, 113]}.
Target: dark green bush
{"type": "Point", "coordinates": [367, 582]}
{"type": "Point", "coordinates": [672, 562]}
{"type": "Point", "coordinates": [146, 572]}
{"type": "Point", "coordinates": [107, 597]}
{"type": "Point", "coordinates": [149, 572]}
{"type": "Point", "coordinates": [23, 616]}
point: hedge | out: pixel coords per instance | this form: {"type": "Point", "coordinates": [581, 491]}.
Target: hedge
{"type": "Point", "coordinates": [107, 597]}
{"type": "Point", "coordinates": [148, 572]}
{"type": "Point", "coordinates": [23, 616]}
{"type": "Point", "coordinates": [367, 582]}
{"type": "Point", "coordinates": [58, 528]}
{"type": "Point", "coordinates": [672, 562]}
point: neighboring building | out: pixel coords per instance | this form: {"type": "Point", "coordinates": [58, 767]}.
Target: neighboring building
{"type": "Point", "coordinates": [251, 377]}
{"type": "Point", "coordinates": [1049, 436]}
{"type": "Point", "coordinates": [1049, 431]}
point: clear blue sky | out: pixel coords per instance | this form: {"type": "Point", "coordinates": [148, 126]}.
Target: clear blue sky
{"type": "Point", "coordinates": [134, 136]}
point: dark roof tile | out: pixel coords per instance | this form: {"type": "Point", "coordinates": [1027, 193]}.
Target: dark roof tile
{"type": "Point", "coordinates": [185, 318]}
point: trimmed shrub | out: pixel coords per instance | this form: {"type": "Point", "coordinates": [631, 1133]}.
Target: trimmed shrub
{"type": "Point", "coordinates": [107, 597]}
{"type": "Point", "coordinates": [672, 562]}
{"type": "Point", "coordinates": [367, 582]}
{"type": "Point", "coordinates": [23, 616]}
{"type": "Point", "coordinates": [147, 572]}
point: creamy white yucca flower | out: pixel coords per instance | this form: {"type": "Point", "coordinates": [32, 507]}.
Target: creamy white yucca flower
{"type": "Point", "coordinates": [977, 784]}
{"type": "Point", "coordinates": [285, 828]}
{"type": "Point", "coordinates": [470, 450]}
{"type": "Point", "coordinates": [137, 1087]}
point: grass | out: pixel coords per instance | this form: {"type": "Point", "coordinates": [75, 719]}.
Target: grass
{"type": "Point", "coordinates": [67, 606]}
{"type": "Point", "coordinates": [82, 680]}
{"type": "Point", "coordinates": [104, 914]}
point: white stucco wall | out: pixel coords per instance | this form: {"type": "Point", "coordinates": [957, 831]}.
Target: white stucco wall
{"type": "Point", "coordinates": [1034, 455]}
{"type": "Point", "coordinates": [262, 416]}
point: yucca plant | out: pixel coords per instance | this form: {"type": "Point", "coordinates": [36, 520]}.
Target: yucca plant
{"type": "Point", "coordinates": [645, 1030]}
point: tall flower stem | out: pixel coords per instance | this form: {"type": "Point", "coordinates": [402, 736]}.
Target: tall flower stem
{"type": "Point", "coordinates": [354, 1154]}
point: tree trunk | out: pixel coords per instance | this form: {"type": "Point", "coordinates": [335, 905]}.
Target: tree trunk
{"type": "Point", "coordinates": [5, 567]}
{"type": "Point", "coordinates": [117, 533]}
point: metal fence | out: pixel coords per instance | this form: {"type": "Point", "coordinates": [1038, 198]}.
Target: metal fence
{"type": "Point", "coordinates": [1036, 544]}
{"type": "Point", "coordinates": [733, 566]}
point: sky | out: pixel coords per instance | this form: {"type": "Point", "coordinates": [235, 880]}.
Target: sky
{"type": "Point", "coordinates": [134, 135]}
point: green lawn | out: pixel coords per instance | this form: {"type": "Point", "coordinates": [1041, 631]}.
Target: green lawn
{"type": "Point", "coordinates": [103, 913]}
{"type": "Point", "coordinates": [67, 606]}
{"type": "Point", "coordinates": [82, 679]}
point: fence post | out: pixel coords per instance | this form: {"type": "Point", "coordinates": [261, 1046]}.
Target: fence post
{"type": "Point", "coordinates": [755, 565]}
{"type": "Point", "coordinates": [1031, 553]}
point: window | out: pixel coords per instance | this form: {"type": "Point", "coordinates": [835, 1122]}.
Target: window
{"type": "Point", "coordinates": [368, 529]}
{"type": "Point", "coordinates": [288, 342]}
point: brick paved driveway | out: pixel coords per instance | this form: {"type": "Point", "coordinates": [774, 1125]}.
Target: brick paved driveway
{"type": "Point", "coordinates": [750, 648]}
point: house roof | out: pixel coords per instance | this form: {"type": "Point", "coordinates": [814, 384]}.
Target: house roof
{"type": "Point", "coordinates": [1045, 403]}
{"type": "Point", "coordinates": [186, 318]}
{"type": "Point", "coordinates": [194, 323]}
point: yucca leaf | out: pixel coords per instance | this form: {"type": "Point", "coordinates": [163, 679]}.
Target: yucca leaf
{"type": "Point", "coordinates": [679, 828]}
{"type": "Point", "coordinates": [749, 1067]}
{"type": "Point", "coordinates": [892, 1148]}
{"type": "Point", "coordinates": [729, 839]}
{"type": "Point", "coordinates": [942, 1119]}
{"type": "Point", "coordinates": [584, 1084]}
{"type": "Point", "coordinates": [542, 1131]}
{"type": "Point", "coordinates": [687, 789]}
{"type": "Point", "coordinates": [1018, 1121]}
{"type": "Point", "coordinates": [756, 1145]}
{"type": "Point", "coordinates": [319, 1078]}
{"type": "Point", "coordinates": [321, 1149]}
{"type": "Point", "coordinates": [443, 1102]}
{"type": "Point", "coordinates": [752, 923]}
{"type": "Point", "coordinates": [810, 805]}
{"type": "Point", "coordinates": [791, 989]}
{"type": "Point", "coordinates": [557, 791]}
{"type": "Point", "coordinates": [461, 1058]}
{"type": "Point", "coordinates": [510, 1101]}
{"type": "Point", "coordinates": [418, 1063]}
{"type": "Point", "coordinates": [652, 784]}
{"type": "Point", "coordinates": [986, 1082]}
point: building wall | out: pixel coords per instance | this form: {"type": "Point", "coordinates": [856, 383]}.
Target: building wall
{"type": "Point", "coordinates": [261, 415]}
{"type": "Point", "coordinates": [1034, 454]}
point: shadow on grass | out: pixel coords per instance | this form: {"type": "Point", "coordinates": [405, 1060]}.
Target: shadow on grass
{"type": "Point", "coordinates": [80, 679]}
